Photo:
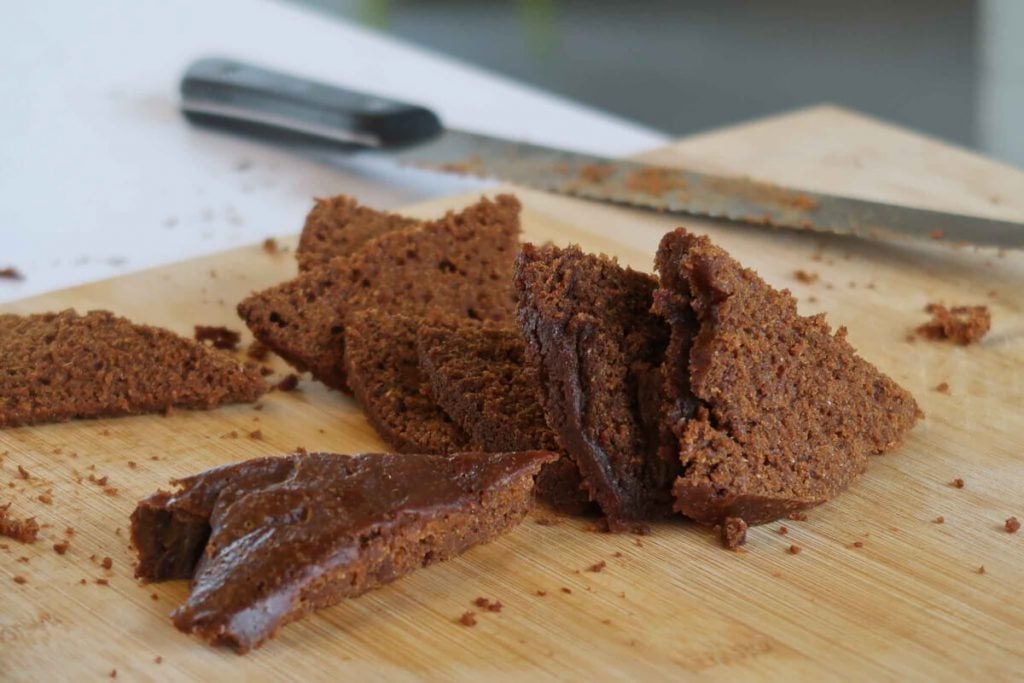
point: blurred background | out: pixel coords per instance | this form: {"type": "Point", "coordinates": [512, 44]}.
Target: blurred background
{"type": "Point", "coordinates": [100, 175]}
{"type": "Point", "coordinates": [950, 68]}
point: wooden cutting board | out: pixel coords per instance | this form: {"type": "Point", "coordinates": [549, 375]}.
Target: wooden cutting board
{"type": "Point", "coordinates": [908, 603]}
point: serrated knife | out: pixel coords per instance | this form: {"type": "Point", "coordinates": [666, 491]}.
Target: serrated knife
{"type": "Point", "coordinates": [295, 111]}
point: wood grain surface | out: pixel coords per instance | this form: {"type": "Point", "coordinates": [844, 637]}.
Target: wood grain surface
{"type": "Point", "coordinates": [907, 603]}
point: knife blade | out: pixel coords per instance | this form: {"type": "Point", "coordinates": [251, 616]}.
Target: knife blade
{"type": "Point", "coordinates": [299, 112]}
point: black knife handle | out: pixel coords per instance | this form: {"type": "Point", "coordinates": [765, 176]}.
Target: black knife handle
{"type": "Point", "coordinates": [248, 98]}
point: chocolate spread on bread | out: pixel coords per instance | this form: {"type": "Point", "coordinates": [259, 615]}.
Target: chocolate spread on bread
{"type": "Point", "coordinates": [269, 540]}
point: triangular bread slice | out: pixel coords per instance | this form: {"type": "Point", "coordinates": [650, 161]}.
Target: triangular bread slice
{"type": "Point", "coordinates": [267, 541]}
{"type": "Point", "coordinates": [789, 413]}
{"type": "Point", "coordinates": [338, 226]}
{"type": "Point", "coordinates": [460, 264]}
{"type": "Point", "coordinates": [477, 373]}
{"type": "Point", "coordinates": [596, 348]}
{"type": "Point", "coordinates": [58, 366]}
{"type": "Point", "coordinates": [385, 376]}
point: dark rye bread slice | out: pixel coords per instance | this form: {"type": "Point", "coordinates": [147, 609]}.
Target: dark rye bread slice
{"type": "Point", "coordinates": [477, 373]}
{"type": "Point", "coordinates": [460, 264]}
{"type": "Point", "coordinates": [789, 411]}
{"type": "Point", "coordinates": [596, 348]}
{"type": "Point", "coordinates": [267, 541]}
{"type": "Point", "coordinates": [384, 373]}
{"type": "Point", "coordinates": [338, 226]}
{"type": "Point", "coordinates": [58, 366]}
{"type": "Point", "coordinates": [672, 302]}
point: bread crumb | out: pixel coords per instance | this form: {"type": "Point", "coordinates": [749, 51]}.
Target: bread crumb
{"type": "Point", "coordinates": [23, 473]}
{"type": "Point", "coordinates": [655, 181]}
{"type": "Point", "coordinates": [19, 579]}
{"type": "Point", "coordinates": [596, 173]}
{"type": "Point", "coordinates": [566, 590]}
{"type": "Point", "coordinates": [484, 603]}
{"type": "Point", "coordinates": [270, 246]}
{"type": "Point", "coordinates": [943, 388]}
{"type": "Point", "coordinates": [541, 593]}
{"type": "Point", "coordinates": [981, 569]}
{"type": "Point", "coordinates": [102, 582]}
{"type": "Point", "coordinates": [794, 550]}
{"type": "Point", "coordinates": [798, 516]}
{"type": "Point", "coordinates": [1012, 525]}
{"type": "Point", "coordinates": [21, 530]}
{"type": "Point", "coordinates": [61, 547]}
{"type": "Point", "coordinates": [45, 499]}
{"type": "Point", "coordinates": [733, 532]}
{"type": "Point", "coordinates": [782, 531]}
{"type": "Point", "coordinates": [939, 520]}
{"type": "Point", "coordinates": [11, 273]}
{"type": "Point", "coordinates": [957, 483]}
{"type": "Point", "coordinates": [597, 567]}
{"type": "Point", "coordinates": [256, 435]}
{"type": "Point", "coordinates": [468, 619]}
{"type": "Point", "coordinates": [858, 544]}
{"type": "Point", "coordinates": [806, 277]}
{"type": "Point", "coordinates": [960, 324]}
{"type": "Point", "coordinates": [107, 563]}
{"type": "Point", "coordinates": [113, 673]}
{"type": "Point", "coordinates": [158, 660]}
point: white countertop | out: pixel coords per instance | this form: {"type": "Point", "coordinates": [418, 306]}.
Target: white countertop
{"type": "Point", "coordinates": [100, 175]}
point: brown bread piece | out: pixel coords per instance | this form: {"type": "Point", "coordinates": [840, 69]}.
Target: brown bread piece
{"type": "Point", "coordinates": [338, 226]}
{"type": "Point", "coordinates": [477, 373]}
{"type": "Point", "coordinates": [733, 533]}
{"type": "Point", "coordinates": [385, 376]}
{"type": "Point", "coordinates": [672, 302]}
{"type": "Point", "coordinates": [460, 264]}
{"type": "Point", "coordinates": [596, 348]}
{"type": "Point", "coordinates": [790, 412]}
{"type": "Point", "coordinates": [269, 540]}
{"type": "Point", "coordinates": [64, 365]}
{"type": "Point", "coordinates": [21, 530]}
{"type": "Point", "coordinates": [960, 324]}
